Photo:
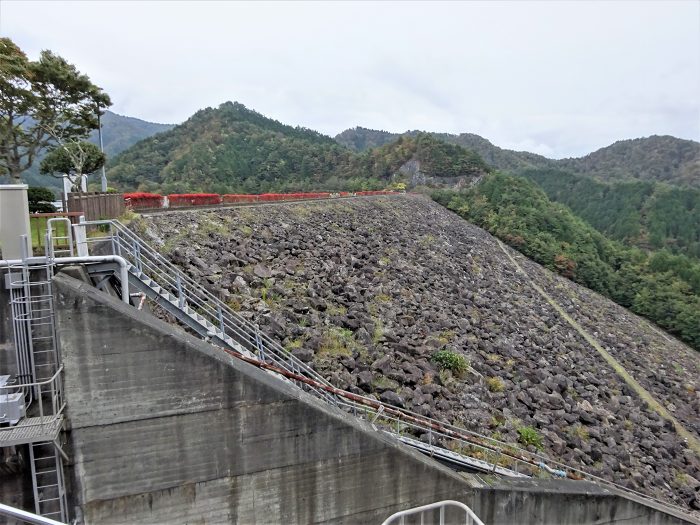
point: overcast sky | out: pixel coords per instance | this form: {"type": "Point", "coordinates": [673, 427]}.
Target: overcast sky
{"type": "Point", "coordinates": [557, 78]}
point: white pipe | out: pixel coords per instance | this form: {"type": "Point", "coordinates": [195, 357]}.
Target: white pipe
{"type": "Point", "coordinates": [123, 266]}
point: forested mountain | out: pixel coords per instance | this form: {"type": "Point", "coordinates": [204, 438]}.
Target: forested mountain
{"type": "Point", "coordinates": [361, 139]}
{"type": "Point", "coordinates": [118, 134]}
{"type": "Point", "coordinates": [658, 285]}
{"type": "Point", "coordinates": [232, 149]}
{"type": "Point", "coordinates": [229, 149]}
{"type": "Point", "coordinates": [642, 213]}
{"type": "Point", "coordinates": [656, 158]}
{"type": "Point", "coordinates": [420, 160]}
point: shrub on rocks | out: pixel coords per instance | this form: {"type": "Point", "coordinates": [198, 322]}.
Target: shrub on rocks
{"type": "Point", "coordinates": [452, 361]}
{"type": "Point", "coordinates": [530, 436]}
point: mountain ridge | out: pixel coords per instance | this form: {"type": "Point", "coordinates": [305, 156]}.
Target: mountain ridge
{"type": "Point", "coordinates": [659, 158]}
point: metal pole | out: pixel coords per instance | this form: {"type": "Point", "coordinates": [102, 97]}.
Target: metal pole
{"type": "Point", "coordinates": [99, 133]}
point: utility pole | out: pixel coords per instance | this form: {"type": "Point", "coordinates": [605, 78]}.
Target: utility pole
{"type": "Point", "coordinates": [99, 133]}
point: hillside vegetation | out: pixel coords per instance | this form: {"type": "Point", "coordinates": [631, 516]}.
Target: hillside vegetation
{"type": "Point", "coordinates": [362, 139]}
{"type": "Point", "coordinates": [645, 214]}
{"type": "Point", "coordinates": [232, 149]}
{"type": "Point", "coordinates": [658, 285]}
{"type": "Point", "coordinates": [655, 159]}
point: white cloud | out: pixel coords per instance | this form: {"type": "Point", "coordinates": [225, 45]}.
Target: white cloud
{"type": "Point", "coordinates": [558, 78]}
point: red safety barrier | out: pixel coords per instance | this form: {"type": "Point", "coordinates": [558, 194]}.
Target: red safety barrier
{"type": "Point", "coordinates": [232, 198]}
{"type": "Point", "coordinates": [139, 200]}
{"type": "Point", "coordinates": [193, 199]}
{"type": "Point", "coordinates": [175, 200]}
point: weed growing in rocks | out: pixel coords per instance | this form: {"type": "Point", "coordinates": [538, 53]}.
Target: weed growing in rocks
{"type": "Point", "coordinates": [530, 436]}
{"type": "Point", "coordinates": [579, 431]}
{"type": "Point", "coordinates": [495, 384]}
{"type": "Point", "coordinates": [234, 304]}
{"type": "Point", "coordinates": [337, 342]}
{"type": "Point", "coordinates": [452, 361]}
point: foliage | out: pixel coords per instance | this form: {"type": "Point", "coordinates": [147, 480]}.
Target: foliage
{"type": "Point", "coordinates": [656, 158]}
{"type": "Point", "coordinates": [437, 159]}
{"type": "Point", "coordinates": [452, 361]}
{"type": "Point", "coordinates": [194, 199]}
{"type": "Point", "coordinates": [530, 436]}
{"type": "Point", "coordinates": [653, 159]}
{"type": "Point", "coordinates": [234, 150]}
{"type": "Point", "coordinates": [74, 159]}
{"type": "Point", "coordinates": [40, 200]}
{"type": "Point", "coordinates": [659, 285]}
{"type": "Point", "coordinates": [41, 103]}
{"type": "Point", "coordinates": [143, 200]}
{"type": "Point", "coordinates": [645, 214]}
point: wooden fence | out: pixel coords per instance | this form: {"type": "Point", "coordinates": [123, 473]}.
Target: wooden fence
{"type": "Point", "coordinates": [96, 205]}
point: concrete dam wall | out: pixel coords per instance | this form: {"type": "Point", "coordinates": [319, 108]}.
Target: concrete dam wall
{"type": "Point", "coordinates": [165, 428]}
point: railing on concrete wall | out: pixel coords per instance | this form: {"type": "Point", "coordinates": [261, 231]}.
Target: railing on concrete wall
{"type": "Point", "coordinates": [466, 514]}
{"type": "Point", "coordinates": [97, 205]}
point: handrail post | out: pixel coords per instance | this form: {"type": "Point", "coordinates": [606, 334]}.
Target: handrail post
{"type": "Point", "coordinates": [180, 292]}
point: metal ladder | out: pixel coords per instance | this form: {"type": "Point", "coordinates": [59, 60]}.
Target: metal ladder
{"type": "Point", "coordinates": [38, 363]}
{"type": "Point", "coordinates": [49, 483]}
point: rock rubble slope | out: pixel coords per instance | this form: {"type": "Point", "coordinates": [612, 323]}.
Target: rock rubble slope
{"type": "Point", "coordinates": [368, 291]}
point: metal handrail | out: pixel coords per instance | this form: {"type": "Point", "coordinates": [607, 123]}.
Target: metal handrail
{"type": "Point", "coordinates": [470, 517]}
{"type": "Point", "coordinates": [57, 402]}
{"type": "Point", "coordinates": [149, 261]}
{"type": "Point", "coordinates": [26, 517]}
{"type": "Point", "coordinates": [193, 295]}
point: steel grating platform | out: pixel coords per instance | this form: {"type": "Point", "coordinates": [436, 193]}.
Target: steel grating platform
{"type": "Point", "coordinates": [31, 430]}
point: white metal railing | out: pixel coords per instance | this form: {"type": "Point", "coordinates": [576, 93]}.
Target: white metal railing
{"type": "Point", "coordinates": [26, 517]}
{"type": "Point", "coordinates": [48, 398]}
{"type": "Point", "coordinates": [468, 517]}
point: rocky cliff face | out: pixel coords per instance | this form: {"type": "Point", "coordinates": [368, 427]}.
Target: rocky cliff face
{"type": "Point", "coordinates": [369, 291]}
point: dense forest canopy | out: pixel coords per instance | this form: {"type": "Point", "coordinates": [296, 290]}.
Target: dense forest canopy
{"type": "Point", "coordinates": [641, 213]}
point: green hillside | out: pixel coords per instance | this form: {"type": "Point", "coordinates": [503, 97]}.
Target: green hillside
{"type": "Point", "coordinates": [227, 150]}
{"type": "Point", "coordinates": [362, 139]}
{"type": "Point", "coordinates": [645, 214]}
{"type": "Point", "coordinates": [656, 158]}
{"type": "Point", "coordinates": [233, 149]}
